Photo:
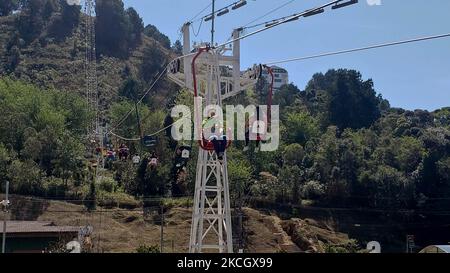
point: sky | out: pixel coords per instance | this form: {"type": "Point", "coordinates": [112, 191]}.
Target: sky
{"type": "Point", "coordinates": [413, 76]}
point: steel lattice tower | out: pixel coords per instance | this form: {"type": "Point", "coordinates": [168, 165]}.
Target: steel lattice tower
{"type": "Point", "coordinates": [94, 130]}
{"type": "Point", "coordinates": [91, 70]}
{"type": "Point", "coordinates": [211, 228]}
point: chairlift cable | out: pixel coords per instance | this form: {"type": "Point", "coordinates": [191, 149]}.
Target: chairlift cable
{"type": "Point", "coordinates": [268, 13]}
{"type": "Point", "coordinates": [376, 46]}
{"type": "Point", "coordinates": [234, 4]}
{"type": "Point", "coordinates": [147, 135]}
{"type": "Point", "coordinates": [277, 23]}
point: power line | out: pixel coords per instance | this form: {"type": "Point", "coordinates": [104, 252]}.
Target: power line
{"type": "Point", "coordinates": [361, 49]}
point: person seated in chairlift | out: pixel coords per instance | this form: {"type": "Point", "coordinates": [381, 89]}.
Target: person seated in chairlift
{"type": "Point", "coordinates": [213, 132]}
{"type": "Point", "coordinates": [255, 127]}
{"type": "Point", "coordinates": [153, 161]}
{"type": "Point", "coordinates": [185, 154]}
{"type": "Point", "coordinates": [136, 159]}
{"type": "Point", "coordinates": [178, 159]}
{"type": "Point", "coordinates": [111, 155]}
{"type": "Point", "coordinates": [181, 159]}
{"type": "Point", "coordinates": [123, 152]}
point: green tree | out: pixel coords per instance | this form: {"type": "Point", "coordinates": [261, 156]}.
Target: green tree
{"type": "Point", "coordinates": [111, 28]}
{"type": "Point", "coordinates": [5, 161]}
{"type": "Point", "coordinates": [239, 172]}
{"type": "Point", "coordinates": [8, 6]}
{"type": "Point", "coordinates": [153, 32]}
{"type": "Point", "coordinates": [30, 22]}
{"type": "Point", "coordinates": [290, 179]}
{"type": "Point", "coordinates": [300, 127]}
{"type": "Point", "coordinates": [67, 157]}
{"type": "Point", "coordinates": [177, 47]}
{"type": "Point", "coordinates": [12, 59]}
{"type": "Point", "coordinates": [293, 154]}
{"type": "Point", "coordinates": [63, 22]}
{"type": "Point", "coordinates": [90, 201]}
{"type": "Point", "coordinates": [286, 96]}
{"type": "Point", "coordinates": [153, 61]}
{"type": "Point", "coordinates": [25, 178]}
{"type": "Point", "coordinates": [349, 101]}
{"type": "Point", "coordinates": [136, 27]}
{"type": "Point", "coordinates": [130, 89]}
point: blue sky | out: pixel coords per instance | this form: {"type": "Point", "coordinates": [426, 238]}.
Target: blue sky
{"type": "Point", "coordinates": [414, 76]}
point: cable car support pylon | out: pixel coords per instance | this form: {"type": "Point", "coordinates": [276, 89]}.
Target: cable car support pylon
{"type": "Point", "coordinates": [211, 228]}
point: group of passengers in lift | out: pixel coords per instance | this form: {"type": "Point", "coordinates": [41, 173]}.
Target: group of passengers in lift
{"type": "Point", "coordinates": [213, 132]}
{"type": "Point", "coordinates": [123, 154]}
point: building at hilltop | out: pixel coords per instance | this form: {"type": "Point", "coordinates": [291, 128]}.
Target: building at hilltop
{"type": "Point", "coordinates": [281, 77]}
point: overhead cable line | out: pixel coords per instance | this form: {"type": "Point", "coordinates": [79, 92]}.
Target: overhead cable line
{"type": "Point", "coordinates": [361, 49]}
{"type": "Point", "coordinates": [336, 4]}
{"type": "Point", "coordinates": [149, 135]}
{"type": "Point", "coordinates": [220, 12]}
{"type": "Point", "coordinates": [158, 78]}
{"type": "Point", "coordinates": [161, 73]}
{"type": "Point", "coordinates": [198, 14]}
{"type": "Point", "coordinates": [270, 12]}
{"type": "Point", "coordinates": [198, 30]}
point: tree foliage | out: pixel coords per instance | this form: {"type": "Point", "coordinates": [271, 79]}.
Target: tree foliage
{"type": "Point", "coordinates": [118, 30]}
{"type": "Point", "coordinates": [153, 32]}
{"type": "Point", "coordinates": [43, 131]}
{"type": "Point", "coordinates": [8, 6]}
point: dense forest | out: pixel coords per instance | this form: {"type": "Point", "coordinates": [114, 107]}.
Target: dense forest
{"type": "Point", "coordinates": [343, 145]}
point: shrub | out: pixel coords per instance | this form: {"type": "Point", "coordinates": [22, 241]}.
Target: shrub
{"type": "Point", "coordinates": [108, 185]}
{"type": "Point", "coordinates": [118, 199]}
{"type": "Point", "coordinates": [54, 187]}
{"type": "Point", "coordinates": [26, 178]}
{"type": "Point", "coordinates": [148, 249]}
{"type": "Point", "coordinates": [313, 190]}
{"type": "Point", "coordinates": [348, 247]}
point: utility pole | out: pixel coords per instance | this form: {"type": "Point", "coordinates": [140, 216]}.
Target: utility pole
{"type": "Point", "coordinates": [162, 228]}
{"type": "Point", "coordinates": [213, 21]}
{"type": "Point", "coordinates": [139, 127]}
{"type": "Point", "coordinates": [6, 204]}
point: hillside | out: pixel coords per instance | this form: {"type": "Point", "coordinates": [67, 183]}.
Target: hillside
{"type": "Point", "coordinates": [123, 230]}
{"type": "Point", "coordinates": [55, 64]}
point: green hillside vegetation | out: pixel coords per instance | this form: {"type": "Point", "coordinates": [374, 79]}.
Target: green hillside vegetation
{"type": "Point", "coordinates": [343, 145]}
{"type": "Point", "coordinates": [44, 44]}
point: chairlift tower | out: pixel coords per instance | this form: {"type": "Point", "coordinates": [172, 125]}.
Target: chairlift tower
{"type": "Point", "coordinates": [94, 130]}
{"type": "Point", "coordinates": [91, 67]}
{"type": "Point", "coordinates": [218, 77]}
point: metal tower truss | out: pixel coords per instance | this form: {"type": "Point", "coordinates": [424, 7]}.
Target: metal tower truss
{"type": "Point", "coordinates": [232, 82]}
{"type": "Point", "coordinates": [94, 130]}
{"type": "Point", "coordinates": [91, 70]}
{"type": "Point", "coordinates": [218, 77]}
